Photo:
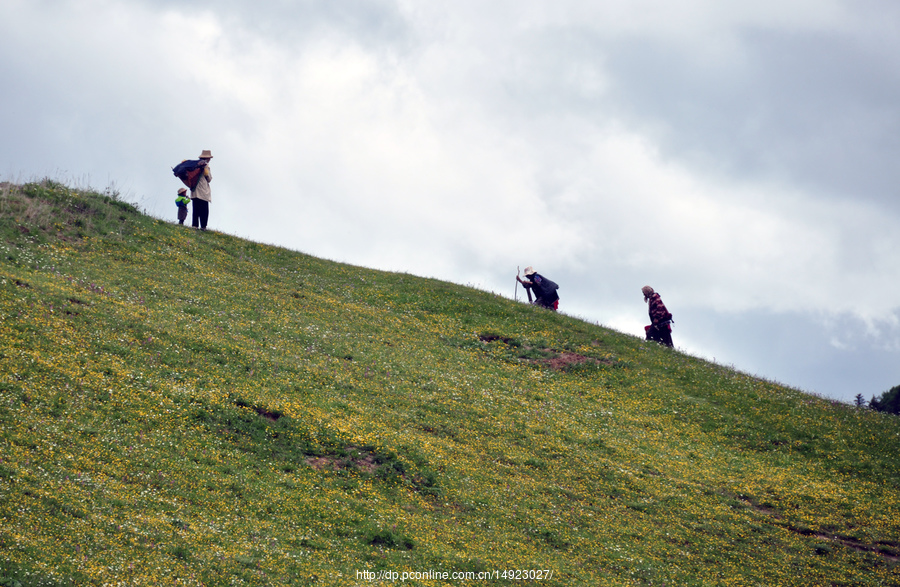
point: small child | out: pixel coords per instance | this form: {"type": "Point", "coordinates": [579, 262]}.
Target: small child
{"type": "Point", "coordinates": [182, 202]}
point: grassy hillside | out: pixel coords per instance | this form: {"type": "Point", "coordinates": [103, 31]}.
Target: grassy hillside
{"type": "Point", "coordinates": [187, 408]}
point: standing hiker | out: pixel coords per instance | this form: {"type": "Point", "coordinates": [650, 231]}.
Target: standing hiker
{"type": "Point", "coordinates": [201, 195]}
{"type": "Point", "coordinates": [660, 329]}
{"type": "Point", "coordinates": [181, 202]}
{"type": "Point", "coordinates": [544, 290]}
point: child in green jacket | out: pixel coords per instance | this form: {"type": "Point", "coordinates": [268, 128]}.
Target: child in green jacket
{"type": "Point", "coordinates": [182, 202]}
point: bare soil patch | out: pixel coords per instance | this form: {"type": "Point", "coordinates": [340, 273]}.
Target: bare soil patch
{"type": "Point", "coordinates": [355, 458]}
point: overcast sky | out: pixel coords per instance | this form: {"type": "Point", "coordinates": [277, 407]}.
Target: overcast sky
{"type": "Point", "coordinates": [740, 157]}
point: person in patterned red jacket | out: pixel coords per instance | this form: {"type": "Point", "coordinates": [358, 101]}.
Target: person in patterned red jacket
{"type": "Point", "coordinates": [660, 328]}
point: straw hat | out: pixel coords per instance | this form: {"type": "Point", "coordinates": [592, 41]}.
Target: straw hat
{"type": "Point", "coordinates": [529, 271]}
{"type": "Point", "coordinates": [182, 191]}
{"type": "Point", "coordinates": [206, 154]}
{"type": "Point", "coordinates": [647, 291]}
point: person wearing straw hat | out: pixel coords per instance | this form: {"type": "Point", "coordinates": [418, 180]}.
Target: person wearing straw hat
{"type": "Point", "coordinates": [201, 195]}
{"type": "Point", "coordinates": [182, 202]}
{"type": "Point", "coordinates": [544, 290]}
{"type": "Point", "coordinates": [660, 328]}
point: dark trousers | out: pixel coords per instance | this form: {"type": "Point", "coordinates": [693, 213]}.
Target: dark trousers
{"type": "Point", "coordinates": [660, 333]}
{"type": "Point", "coordinates": [554, 305]}
{"type": "Point", "coordinates": [201, 213]}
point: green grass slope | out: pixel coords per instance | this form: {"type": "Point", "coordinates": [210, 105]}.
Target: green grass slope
{"type": "Point", "coordinates": [187, 408]}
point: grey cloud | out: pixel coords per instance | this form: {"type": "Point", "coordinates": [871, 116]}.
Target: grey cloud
{"type": "Point", "coordinates": [815, 109]}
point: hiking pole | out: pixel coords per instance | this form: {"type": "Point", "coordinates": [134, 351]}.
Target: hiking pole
{"type": "Point", "coordinates": [527, 289]}
{"type": "Point", "coordinates": [516, 294]}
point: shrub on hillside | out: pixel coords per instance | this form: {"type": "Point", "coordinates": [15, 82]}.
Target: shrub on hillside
{"type": "Point", "coordinates": [889, 401]}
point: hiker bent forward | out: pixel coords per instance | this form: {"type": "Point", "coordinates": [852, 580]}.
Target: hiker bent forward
{"type": "Point", "coordinates": [544, 290]}
{"type": "Point", "coordinates": [660, 329]}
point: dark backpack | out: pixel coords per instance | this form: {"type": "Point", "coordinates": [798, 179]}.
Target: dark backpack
{"type": "Point", "coordinates": [546, 289]}
{"type": "Point", "coordinates": [189, 172]}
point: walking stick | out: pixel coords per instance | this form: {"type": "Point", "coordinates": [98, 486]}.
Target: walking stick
{"type": "Point", "coordinates": [516, 293]}
{"type": "Point", "coordinates": [527, 289]}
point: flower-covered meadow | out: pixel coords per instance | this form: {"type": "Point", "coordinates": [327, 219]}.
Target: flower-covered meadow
{"type": "Point", "coordinates": [187, 408]}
